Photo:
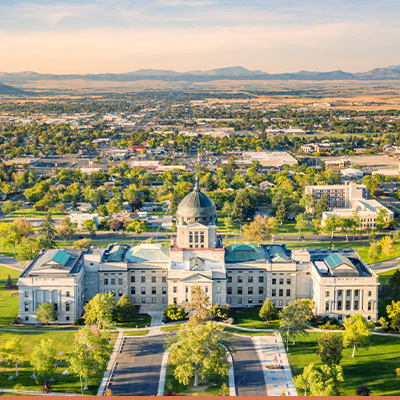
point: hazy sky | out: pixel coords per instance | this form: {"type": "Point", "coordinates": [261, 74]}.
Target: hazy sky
{"type": "Point", "coordinates": [71, 36]}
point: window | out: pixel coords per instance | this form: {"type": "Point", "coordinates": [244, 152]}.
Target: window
{"type": "Point", "coordinates": [132, 279]}
{"type": "Point", "coordinates": [288, 281]}
{"type": "Point", "coordinates": [369, 306]}
{"type": "Point", "coordinates": [175, 289]}
{"type": "Point", "coordinates": [273, 292]}
{"type": "Point", "coordinates": [133, 290]}
{"type": "Point", "coordinates": [348, 293]}
{"type": "Point", "coordinates": [229, 300]}
{"type": "Point", "coordinates": [229, 279]}
{"type": "Point", "coordinates": [339, 305]}
{"type": "Point", "coordinates": [356, 292]}
{"type": "Point", "coordinates": [327, 306]}
{"type": "Point", "coordinates": [190, 237]}
{"type": "Point", "coordinates": [280, 292]}
{"type": "Point", "coordinates": [133, 300]}
{"type": "Point", "coordinates": [239, 300]}
{"type": "Point", "coordinates": [250, 301]}
{"type": "Point", "coordinates": [240, 279]}
{"type": "Point", "coordinates": [219, 300]}
{"type": "Point", "coordinates": [119, 281]}
{"type": "Point", "coordinates": [347, 304]}
{"type": "Point", "coordinates": [369, 294]}
{"type": "Point", "coordinates": [26, 294]}
{"type": "Point", "coordinates": [26, 319]}
{"type": "Point", "coordinates": [106, 281]}
{"type": "Point", "coordinates": [250, 290]}
{"type": "Point", "coordinates": [288, 292]}
{"type": "Point", "coordinates": [112, 281]}
{"type": "Point", "coordinates": [240, 290]}
{"type": "Point", "coordinates": [153, 300]}
{"type": "Point", "coordinates": [218, 289]}
{"type": "Point", "coordinates": [261, 300]}
{"type": "Point", "coordinates": [67, 294]}
{"type": "Point", "coordinates": [143, 279]}
{"type": "Point", "coordinates": [55, 307]}
{"type": "Point", "coordinates": [143, 290]}
{"type": "Point", "coordinates": [229, 290]}
{"type": "Point", "coordinates": [260, 290]}
{"type": "Point", "coordinates": [164, 279]}
{"type": "Point", "coordinates": [250, 279]}
{"type": "Point", "coordinates": [339, 293]}
{"type": "Point", "coordinates": [143, 300]}
{"type": "Point", "coordinates": [201, 237]}
{"type": "Point", "coordinates": [274, 281]}
{"type": "Point", "coordinates": [67, 318]}
{"type": "Point", "coordinates": [280, 303]}
{"type": "Point", "coordinates": [326, 294]}
{"type": "Point", "coordinates": [356, 304]}
{"type": "Point", "coordinates": [153, 279]}
{"type": "Point", "coordinates": [281, 281]}
{"type": "Point", "coordinates": [67, 307]}
{"type": "Point", "coordinates": [164, 300]}
{"type": "Point", "coordinates": [260, 279]}
{"type": "Point", "coordinates": [153, 290]}
{"type": "Point", "coordinates": [164, 290]}
{"type": "Point", "coordinates": [26, 307]}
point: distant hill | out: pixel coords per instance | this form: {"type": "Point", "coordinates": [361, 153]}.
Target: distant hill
{"type": "Point", "coordinates": [5, 89]}
{"type": "Point", "coordinates": [228, 73]}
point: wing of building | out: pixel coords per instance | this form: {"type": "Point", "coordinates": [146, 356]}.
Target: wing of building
{"type": "Point", "coordinates": [338, 281]}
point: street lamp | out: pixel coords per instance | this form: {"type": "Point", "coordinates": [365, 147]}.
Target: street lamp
{"type": "Point", "coordinates": [287, 341]}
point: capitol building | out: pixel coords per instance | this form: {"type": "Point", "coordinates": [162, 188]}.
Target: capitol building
{"type": "Point", "coordinates": [338, 281]}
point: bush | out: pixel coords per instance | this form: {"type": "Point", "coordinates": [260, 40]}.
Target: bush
{"type": "Point", "coordinates": [331, 327]}
{"type": "Point", "coordinates": [175, 313]}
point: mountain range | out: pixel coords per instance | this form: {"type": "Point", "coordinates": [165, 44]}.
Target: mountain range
{"type": "Point", "coordinates": [229, 73]}
{"type": "Point", "coordinates": [9, 90]}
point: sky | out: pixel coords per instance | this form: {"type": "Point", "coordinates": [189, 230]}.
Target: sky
{"type": "Point", "coordinates": [98, 36]}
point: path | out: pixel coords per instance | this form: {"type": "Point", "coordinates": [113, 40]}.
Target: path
{"type": "Point", "coordinates": [386, 265]}
{"type": "Point", "coordinates": [35, 393]}
{"type": "Point", "coordinates": [249, 377]}
{"type": "Point", "coordinates": [11, 262]}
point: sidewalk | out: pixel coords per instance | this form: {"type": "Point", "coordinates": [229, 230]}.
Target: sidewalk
{"type": "Point", "coordinates": [271, 351]}
{"type": "Point", "coordinates": [34, 393]}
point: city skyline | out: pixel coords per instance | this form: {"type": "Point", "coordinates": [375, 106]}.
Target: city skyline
{"type": "Point", "coordinates": [98, 36]}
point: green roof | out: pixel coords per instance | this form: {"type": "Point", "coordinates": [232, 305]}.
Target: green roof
{"type": "Point", "coordinates": [197, 264]}
{"type": "Point", "coordinates": [335, 259]}
{"type": "Point", "coordinates": [147, 253]}
{"type": "Point", "coordinates": [277, 254]}
{"type": "Point", "coordinates": [58, 256]}
{"type": "Point", "coordinates": [116, 253]}
{"type": "Point", "coordinates": [243, 253]}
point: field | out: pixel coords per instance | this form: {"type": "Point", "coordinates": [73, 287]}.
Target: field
{"type": "Point", "coordinates": [384, 278]}
{"type": "Point", "coordinates": [137, 333]}
{"type": "Point", "coordinates": [374, 367]}
{"type": "Point", "coordinates": [249, 318]}
{"type": "Point", "coordinates": [8, 303]}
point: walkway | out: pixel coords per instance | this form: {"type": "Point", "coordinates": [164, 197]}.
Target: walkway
{"type": "Point", "coordinates": [386, 265]}
{"type": "Point", "coordinates": [11, 262]}
{"type": "Point", "coordinates": [271, 351]}
{"type": "Point", "coordinates": [156, 322]}
{"type": "Point", "coordinates": [35, 393]}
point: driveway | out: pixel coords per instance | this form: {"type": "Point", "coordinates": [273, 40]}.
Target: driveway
{"type": "Point", "coordinates": [249, 376]}
{"type": "Point", "coordinates": [138, 366]}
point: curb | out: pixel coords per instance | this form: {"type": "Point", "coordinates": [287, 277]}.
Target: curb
{"type": "Point", "coordinates": [163, 374]}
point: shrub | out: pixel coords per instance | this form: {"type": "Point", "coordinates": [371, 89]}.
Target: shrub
{"type": "Point", "coordinates": [175, 313]}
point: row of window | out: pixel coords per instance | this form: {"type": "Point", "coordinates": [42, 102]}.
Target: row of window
{"type": "Point", "coordinates": [153, 300]}
{"type": "Point", "coordinates": [67, 294]}
{"type": "Point", "coordinates": [153, 290]}
{"type": "Point", "coordinates": [67, 306]}
{"type": "Point", "coordinates": [249, 279]}
{"type": "Point", "coordinates": [240, 290]}
{"type": "Point", "coordinates": [280, 293]}
{"type": "Point", "coordinates": [153, 279]}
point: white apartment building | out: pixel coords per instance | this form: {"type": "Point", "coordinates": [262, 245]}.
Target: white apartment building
{"type": "Point", "coordinates": [239, 275]}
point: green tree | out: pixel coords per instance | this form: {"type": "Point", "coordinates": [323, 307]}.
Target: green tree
{"type": "Point", "coordinates": [83, 243]}
{"type": "Point", "coordinates": [199, 351]}
{"type": "Point", "coordinates": [295, 317]}
{"type": "Point", "coordinates": [394, 285]}
{"type": "Point", "coordinates": [281, 212]}
{"type": "Point", "coordinates": [99, 311]}
{"type": "Point", "coordinates": [175, 313]}
{"type": "Point", "coordinates": [136, 226]}
{"type": "Point", "coordinates": [8, 207]}
{"type": "Point", "coordinates": [301, 223]}
{"type": "Point", "coordinates": [374, 251]}
{"type": "Point", "coordinates": [267, 311]}
{"type": "Point", "coordinates": [331, 223]}
{"type": "Point", "coordinates": [321, 206]}
{"type": "Point", "coordinates": [9, 282]}
{"type": "Point", "coordinates": [90, 225]}
{"type": "Point", "coordinates": [243, 208]}
{"type": "Point", "coordinates": [124, 311]}
{"type": "Point", "coordinates": [227, 209]}
{"type": "Point", "coordinates": [30, 247]}
{"type": "Point", "coordinates": [393, 312]}
{"type": "Point", "coordinates": [43, 361]}
{"type": "Point", "coordinates": [174, 203]}
{"type": "Point", "coordinates": [387, 245]}
{"type": "Point", "coordinates": [198, 309]}
{"type": "Point", "coordinates": [228, 222]}
{"type": "Point", "coordinates": [66, 229]}
{"type": "Point", "coordinates": [381, 220]}
{"type": "Point", "coordinates": [257, 231]}
{"type": "Point", "coordinates": [46, 313]}
{"type": "Point", "coordinates": [48, 231]}
{"type": "Point", "coordinates": [12, 353]}
{"type": "Point", "coordinates": [330, 347]}
{"type": "Point", "coordinates": [346, 225]}
{"type": "Point", "coordinates": [357, 333]}
{"type": "Point", "coordinates": [90, 354]}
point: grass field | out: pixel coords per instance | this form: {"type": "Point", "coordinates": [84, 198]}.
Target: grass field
{"type": "Point", "coordinates": [62, 343]}
{"type": "Point", "coordinates": [207, 387]}
{"type": "Point", "coordinates": [383, 302]}
{"type": "Point", "coordinates": [374, 367]}
{"type": "Point", "coordinates": [240, 332]}
{"type": "Point", "coordinates": [8, 303]}
{"type": "Point", "coordinates": [30, 212]}
{"type": "Point", "coordinates": [249, 318]}
{"type": "Point", "coordinates": [141, 321]}
{"type": "Point", "coordinates": [137, 333]}
{"type": "Point", "coordinates": [171, 328]}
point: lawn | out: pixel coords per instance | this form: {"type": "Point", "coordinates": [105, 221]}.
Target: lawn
{"type": "Point", "coordinates": [137, 333]}
{"type": "Point", "coordinates": [171, 328]}
{"type": "Point", "coordinates": [8, 303]}
{"type": "Point", "coordinates": [374, 367]}
{"type": "Point", "coordinates": [290, 227]}
{"type": "Point", "coordinates": [30, 212]}
{"type": "Point", "coordinates": [207, 387]}
{"type": "Point", "coordinates": [383, 302]}
{"type": "Point", "coordinates": [240, 332]}
{"type": "Point", "coordinates": [249, 318]}
{"type": "Point", "coordinates": [141, 321]}
{"type": "Point", "coordinates": [62, 343]}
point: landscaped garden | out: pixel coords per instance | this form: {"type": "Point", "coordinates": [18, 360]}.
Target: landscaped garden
{"type": "Point", "coordinates": [249, 318]}
{"type": "Point", "coordinates": [374, 367]}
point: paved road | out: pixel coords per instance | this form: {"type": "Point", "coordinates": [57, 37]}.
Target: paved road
{"type": "Point", "coordinates": [138, 367]}
{"type": "Point", "coordinates": [386, 265]}
{"type": "Point", "coordinates": [249, 376]}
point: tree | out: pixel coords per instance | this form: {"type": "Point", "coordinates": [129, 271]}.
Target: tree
{"type": "Point", "coordinates": [198, 308]}
{"type": "Point", "coordinates": [324, 381]}
{"type": "Point", "coordinates": [281, 212]}
{"type": "Point", "coordinates": [99, 310]}
{"type": "Point", "coordinates": [48, 231]}
{"type": "Point", "coordinates": [12, 353]}
{"type": "Point", "coordinates": [295, 316]}
{"type": "Point", "coordinates": [321, 206]}
{"type": "Point", "coordinates": [267, 311]}
{"type": "Point", "coordinates": [393, 312]}
{"type": "Point", "coordinates": [66, 229]}
{"type": "Point", "coordinates": [330, 348]}
{"type": "Point", "coordinates": [257, 231]}
{"type": "Point", "coordinates": [116, 225]}
{"type": "Point", "coordinates": [8, 207]}
{"type": "Point", "coordinates": [46, 313]}
{"type": "Point", "coordinates": [346, 225]}
{"type": "Point", "coordinates": [10, 234]}
{"type": "Point", "coordinates": [387, 245]}
{"type": "Point", "coordinates": [136, 203]}
{"type": "Point", "coordinates": [357, 333]}
{"type": "Point", "coordinates": [175, 313]}
{"type": "Point", "coordinates": [363, 390]}
{"type": "Point", "coordinates": [83, 243]}
{"type": "Point", "coordinates": [315, 226]}
{"type": "Point", "coordinates": [136, 226]}
{"type": "Point", "coordinates": [394, 285]}
{"type": "Point", "coordinates": [243, 208]}
{"type": "Point", "coordinates": [174, 203]}
{"type": "Point", "coordinates": [381, 220]}
{"type": "Point", "coordinates": [374, 251]}
{"type": "Point", "coordinates": [124, 311]}
{"type": "Point", "coordinates": [301, 223]}
{"type": "Point", "coordinates": [24, 227]}
{"type": "Point", "coordinates": [199, 351]}
{"type": "Point", "coordinates": [330, 224]}
{"type": "Point", "coordinates": [228, 222]}
{"type": "Point", "coordinates": [30, 247]}
{"type": "Point", "coordinates": [9, 282]}
{"type": "Point", "coordinates": [90, 225]}
{"type": "Point", "coordinates": [43, 361]}
{"type": "Point", "coordinates": [227, 209]}
{"type": "Point", "coordinates": [90, 353]}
